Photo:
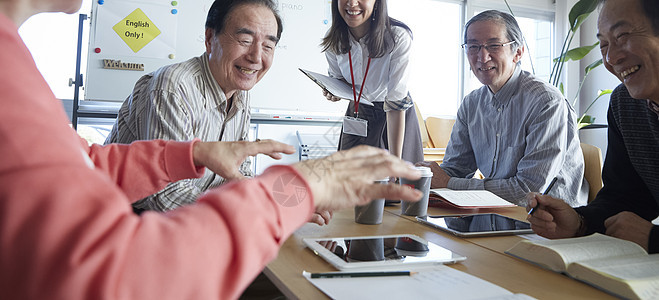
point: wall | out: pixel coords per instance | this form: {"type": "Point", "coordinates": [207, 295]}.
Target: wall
{"type": "Point", "coordinates": [598, 79]}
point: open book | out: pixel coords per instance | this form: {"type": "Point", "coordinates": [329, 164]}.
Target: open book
{"type": "Point", "coordinates": [618, 266]}
{"type": "Point", "coordinates": [335, 86]}
{"type": "Point", "coordinates": [467, 199]}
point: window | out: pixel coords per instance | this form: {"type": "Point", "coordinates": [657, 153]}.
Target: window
{"type": "Point", "coordinates": [437, 78]}
{"type": "Point", "coordinates": [436, 74]}
{"type": "Point", "coordinates": [52, 39]}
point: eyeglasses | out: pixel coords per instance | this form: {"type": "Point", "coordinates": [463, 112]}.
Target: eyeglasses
{"type": "Point", "coordinates": [473, 49]}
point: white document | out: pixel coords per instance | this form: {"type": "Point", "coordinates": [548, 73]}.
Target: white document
{"type": "Point", "coordinates": [335, 86]}
{"type": "Point", "coordinates": [471, 198]}
{"type": "Point", "coordinates": [438, 282]}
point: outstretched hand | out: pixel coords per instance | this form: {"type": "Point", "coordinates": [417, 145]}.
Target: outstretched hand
{"type": "Point", "coordinates": [224, 158]}
{"type": "Point", "coordinates": [346, 178]}
{"type": "Point", "coordinates": [553, 218]}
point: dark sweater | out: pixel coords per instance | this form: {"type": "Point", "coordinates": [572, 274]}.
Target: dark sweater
{"type": "Point", "coordinates": [631, 167]}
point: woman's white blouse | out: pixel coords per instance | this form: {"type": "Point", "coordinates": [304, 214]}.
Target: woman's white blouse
{"type": "Point", "coordinates": [387, 75]}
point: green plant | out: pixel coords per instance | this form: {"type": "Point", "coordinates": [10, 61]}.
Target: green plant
{"type": "Point", "coordinates": [588, 119]}
{"type": "Point", "coordinates": [578, 14]}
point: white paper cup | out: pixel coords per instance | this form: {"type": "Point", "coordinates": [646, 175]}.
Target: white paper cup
{"type": "Point", "coordinates": [419, 208]}
{"type": "Point", "coordinates": [371, 213]}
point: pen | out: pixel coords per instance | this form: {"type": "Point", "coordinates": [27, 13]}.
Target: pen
{"type": "Point", "coordinates": [360, 274]}
{"type": "Point", "coordinates": [551, 184]}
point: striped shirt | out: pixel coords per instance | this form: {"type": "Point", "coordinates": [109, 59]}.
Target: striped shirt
{"type": "Point", "coordinates": [520, 139]}
{"type": "Point", "coordinates": [182, 102]}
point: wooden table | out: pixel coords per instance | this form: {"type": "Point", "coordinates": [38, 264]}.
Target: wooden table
{"type": "Point", "coordinates": [485, 257]}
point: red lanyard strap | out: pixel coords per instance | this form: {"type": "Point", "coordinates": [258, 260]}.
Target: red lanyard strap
{"type": "Point", "coordinates": [352, 77]}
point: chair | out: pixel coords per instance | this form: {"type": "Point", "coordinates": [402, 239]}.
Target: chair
{"type": "Point", "coordinates": [429, 152]}
{"type": "Point", "coordinates": [425, 140]}
{"type": "Point", "coordinates": [439, 130]}
{"type": "Point", "coordinates": [435, 133]}
{"type": "Point", "coordinates": [592, 157]}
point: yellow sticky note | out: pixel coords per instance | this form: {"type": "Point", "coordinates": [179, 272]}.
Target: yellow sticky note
{"type": "Point", "coordinates": [136, 30]}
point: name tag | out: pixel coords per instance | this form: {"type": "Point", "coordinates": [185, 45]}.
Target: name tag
{"type": "Point", "coordinates": [354, 126]}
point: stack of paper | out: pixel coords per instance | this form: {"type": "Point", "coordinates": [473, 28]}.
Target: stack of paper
{"type": "Point", "coordinates": [438, 282]}
{"type": "Point", "coordinates": [468, 199]}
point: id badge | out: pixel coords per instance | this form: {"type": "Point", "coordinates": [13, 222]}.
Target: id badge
{"type": "Point", "coordinates": [354, 126]}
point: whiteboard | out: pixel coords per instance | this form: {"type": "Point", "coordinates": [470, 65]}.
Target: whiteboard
{"type": "Point", "coordinates": [125, 31]}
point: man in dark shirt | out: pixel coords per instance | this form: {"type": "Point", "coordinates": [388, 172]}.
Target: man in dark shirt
{"type": "Point", "coordinates": [628, 202]}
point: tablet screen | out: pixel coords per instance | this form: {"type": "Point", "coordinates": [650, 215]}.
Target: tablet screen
{"type": "Point", "coordinates": [479, 224]}
{"type": "Point", "coordinates": [382, 250]}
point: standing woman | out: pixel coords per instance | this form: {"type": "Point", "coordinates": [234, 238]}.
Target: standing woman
{"type": "Point", "coordinates": [370, 51]}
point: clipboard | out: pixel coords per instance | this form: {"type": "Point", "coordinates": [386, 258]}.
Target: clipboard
{"type": "Point", "coordinates": [336, 87]}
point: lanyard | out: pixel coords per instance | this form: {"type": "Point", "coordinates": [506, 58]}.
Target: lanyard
{"type": "Point", "coordinates": [352, 77]}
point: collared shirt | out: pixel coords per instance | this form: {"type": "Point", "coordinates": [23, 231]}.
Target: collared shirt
{"type": "Point", "coordinates": [387, 75]}
{"type": "Point", "coordinates": [520, 139]}
{"type": "Point", "coordinates": [182, 102]}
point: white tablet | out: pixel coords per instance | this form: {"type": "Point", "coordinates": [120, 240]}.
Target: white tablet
{"type": "Point", "coordinates": [477, 225]}
{"type": "Point", "coordinates": [387, 251]}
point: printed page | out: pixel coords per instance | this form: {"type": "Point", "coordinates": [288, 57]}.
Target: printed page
{"type": "Point", "coordinates": [440, 282]}
{"type": "Point", "coordinates": [335, 86]}
{"type": "Point", "coordinates": [628, 267]}
{"type": "Point", "coordinates": [628, 276]}
{"type": "Point", "coordinates": [470, 198]}
{"type": "Point", "coordinates": [557, 254]}
{"type": "Point", "coordinates": [592, 247]}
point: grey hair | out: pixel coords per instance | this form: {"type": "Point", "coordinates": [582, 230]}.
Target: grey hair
{"type": "Point", "coordinates": [513, 32]}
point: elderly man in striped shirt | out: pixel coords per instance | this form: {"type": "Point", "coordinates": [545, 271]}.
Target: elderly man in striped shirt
{"type": "Point", "coordinates": [206, 97]}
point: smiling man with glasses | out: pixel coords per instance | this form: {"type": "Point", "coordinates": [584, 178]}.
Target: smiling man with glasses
{"type": "Point", "coordinates": [518, 130]}
{"type": "Point", "coordinates": [473, 48]}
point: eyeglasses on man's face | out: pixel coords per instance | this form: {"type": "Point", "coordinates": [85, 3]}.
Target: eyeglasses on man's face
{"type": "Point", "coordinates": [473, 48]}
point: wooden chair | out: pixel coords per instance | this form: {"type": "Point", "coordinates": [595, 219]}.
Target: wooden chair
{"type": "Point", "coordinates": [439, 132]}
{"type": "Point", "coordinates": [592, 157]}
{"type": "Point", "coordinates": [429, 152]}
{"type": "Point", "coordinates": [425, 140]}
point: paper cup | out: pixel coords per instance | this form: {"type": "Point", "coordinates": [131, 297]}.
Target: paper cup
{"type": "Point", "coordinates": [371, 213]}
{"type": "Point", "coordinates": [422, 184]}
